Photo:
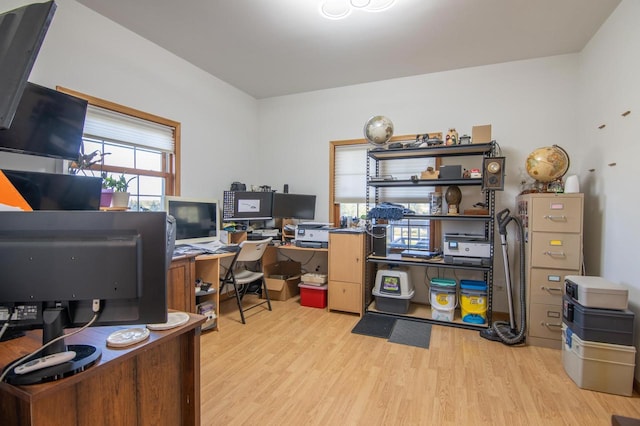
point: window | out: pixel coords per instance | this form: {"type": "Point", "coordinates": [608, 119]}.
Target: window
{"type": "Point", "coordinates": [120, 140]}
{"type": "Point", "coordinates": [348, 180]}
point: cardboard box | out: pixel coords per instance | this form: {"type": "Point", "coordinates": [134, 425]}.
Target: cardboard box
{"type": "Point", "coordinates": [481, 134]}
{"type": "Point", "coordinates": [282, 279]}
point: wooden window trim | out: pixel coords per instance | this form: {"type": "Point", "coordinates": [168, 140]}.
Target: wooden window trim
{"type": "Point", "coordinates": [173, 170]}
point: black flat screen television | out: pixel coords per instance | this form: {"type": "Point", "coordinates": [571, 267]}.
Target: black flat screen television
{"type": "Point", "coordinates": [47, 123]}
{"type": "Point", "coordinates": [56, 264]}
{"type": "Point", "coordinates": [22, 32]}
{"type": "Point", "coordinates": [52, 191]}
{"type": "Point", "coordinates": [294, 206]}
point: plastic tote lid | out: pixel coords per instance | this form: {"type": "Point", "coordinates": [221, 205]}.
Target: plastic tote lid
{"type": "Point", "coordinates": [473, 285]}
{"type": "Point", "coordinates": [443, 282]}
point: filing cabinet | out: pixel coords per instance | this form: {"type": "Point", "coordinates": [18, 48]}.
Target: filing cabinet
{"type": "Point", "coordinates": [553, 249]}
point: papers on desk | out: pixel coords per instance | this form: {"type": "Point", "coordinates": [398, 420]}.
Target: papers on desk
{"type": "Point", "coordinates": [212, 247]}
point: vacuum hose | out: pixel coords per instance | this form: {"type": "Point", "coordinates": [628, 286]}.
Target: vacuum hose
{"type": "Point", "coordinates": [507, 332]}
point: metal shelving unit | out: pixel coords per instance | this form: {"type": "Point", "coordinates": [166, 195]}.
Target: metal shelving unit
{"type": "Point", "coordinates": [376, 182]}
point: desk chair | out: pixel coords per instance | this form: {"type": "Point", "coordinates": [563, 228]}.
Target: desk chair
{"type": "Point", "coordinates": [240, 275]}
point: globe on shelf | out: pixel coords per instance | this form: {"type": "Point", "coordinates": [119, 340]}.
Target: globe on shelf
{"type": "Point", "coordinates": [548, 164]}
{"type": "Point", "coordinates": [378, 130]}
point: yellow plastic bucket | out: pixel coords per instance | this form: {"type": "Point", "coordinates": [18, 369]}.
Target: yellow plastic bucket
{"type": "Point", "coordinates": [473, 301]}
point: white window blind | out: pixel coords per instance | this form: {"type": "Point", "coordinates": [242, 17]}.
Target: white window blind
{"type": "Point", "coordinates": [113, 126]}
{"type": "Point", "coordinates": [403, 170]}
{"type": "Point", "coordinates": [351, 180]}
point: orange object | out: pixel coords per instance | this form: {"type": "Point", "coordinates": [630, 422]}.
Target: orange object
{"type": "Point", "coordinates": [10, 196]}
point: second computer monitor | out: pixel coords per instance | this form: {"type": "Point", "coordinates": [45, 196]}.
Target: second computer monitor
{"type": "Point", "coordinates": [294, 206]}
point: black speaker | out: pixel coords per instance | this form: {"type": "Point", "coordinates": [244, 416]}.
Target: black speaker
{"type": "Point", "coordinates": [380, 240]}
{"type": "Point", "coordinates": [493, 173]}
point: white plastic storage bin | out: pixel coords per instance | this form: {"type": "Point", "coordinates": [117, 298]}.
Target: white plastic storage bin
{"type": "Point", "coordinates": [443, 298]}
{"type": "Point", "coordinates": [393, 291]}
{"type": "Point", "coordinates": [601, 367]}
{"type": "Point", "coordinates": [596, 292]}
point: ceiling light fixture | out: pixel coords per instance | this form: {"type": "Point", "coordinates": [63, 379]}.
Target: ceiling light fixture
{"type": "Point", "coordinates": [340, 9]}
{"type": "Point", "coordinates": [360, 3]}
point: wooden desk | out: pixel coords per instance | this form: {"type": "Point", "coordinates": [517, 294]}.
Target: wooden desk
{"type": "Point", "coordinates": [156, 382]}
{"type": "Point", "coordinates": [184, 271]}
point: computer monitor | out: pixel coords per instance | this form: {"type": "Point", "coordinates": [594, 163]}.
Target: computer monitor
{"type": "Point", "coordinates": [248, 205]}
{"type": "Point", "coordinates": [22, 32]}
{"type": "Point", "coordinates": [197, 219]}
{"type": "Point", "coordinates": [46, 123]}
{"type": "Point", "coordinates": [56, 264]}
{"type": "Point", "coordinates": [294, 206]}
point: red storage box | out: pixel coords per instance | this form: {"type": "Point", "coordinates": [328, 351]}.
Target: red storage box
{"type": "Point", "coordinates": [313, 295]}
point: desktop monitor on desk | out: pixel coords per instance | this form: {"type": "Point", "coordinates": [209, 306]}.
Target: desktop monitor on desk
{"type": "Point", "coordinates": [60, 267]}
{"type": "Point", "coordinates": [247, 205]}
{"type": "Point", "coordinates": [197, 219]}
{"type": "Point", "coordinates": [294, 206]}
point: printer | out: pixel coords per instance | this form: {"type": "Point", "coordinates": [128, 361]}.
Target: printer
{"type": "Point", "coordinates": [467, 249]}
{"type": "Point", "coordinates": [312, 234]}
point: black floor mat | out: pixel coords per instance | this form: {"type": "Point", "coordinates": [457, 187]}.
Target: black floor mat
{"type": "Point", "coordinates": [413, 333]}
{"type": "Point", "coordinates": [375, 325]}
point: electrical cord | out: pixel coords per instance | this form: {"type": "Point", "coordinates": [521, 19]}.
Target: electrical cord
{"type": "Point", "coordinates": [95, 308]}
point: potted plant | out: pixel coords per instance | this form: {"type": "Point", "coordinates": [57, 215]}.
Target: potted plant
{"type": "Point", "coordinates": [120, 187]}
{"type": "Point", "coordinates": [106, 195]}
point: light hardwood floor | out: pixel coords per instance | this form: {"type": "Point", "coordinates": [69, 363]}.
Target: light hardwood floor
{"type": "Point", "coordinates": [303, 366]}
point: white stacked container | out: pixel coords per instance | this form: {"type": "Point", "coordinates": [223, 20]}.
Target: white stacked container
{"type": "Point", "coordinates": [596, 292]}
{"type": "Point", "coordinates": [601, 367]}
{"type": "Point", "coordinates": [597, 309]}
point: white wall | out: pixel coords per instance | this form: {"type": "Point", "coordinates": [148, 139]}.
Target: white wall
{"type": "Point", "coordinates": [86, 52]}
{"type": "Point", "coordinates": [609, 86]}
{"type": "Point", "coordinates": [530, 104]}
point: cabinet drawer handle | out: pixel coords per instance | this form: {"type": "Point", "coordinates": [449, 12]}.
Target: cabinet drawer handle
{"type": "Point", "coordinates": [554, 217]}
{"type": "Point", "coordinates": [551, 290]}
{"type": "Point", "coordinates": [554, 253]}
{"type": "Point", "coordinates": [551, 325]}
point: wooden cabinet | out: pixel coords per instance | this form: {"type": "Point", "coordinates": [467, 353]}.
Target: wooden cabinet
{"type": "Point", "coordinates": [553, 247]}
{"type": "Point", "coordinates": [181, 284]}
{"type": "Point", "coordinates": [155, 382]}
{"type": "Point", "coordinates": [346, 272]}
